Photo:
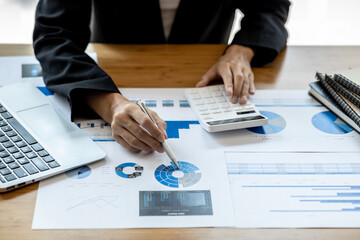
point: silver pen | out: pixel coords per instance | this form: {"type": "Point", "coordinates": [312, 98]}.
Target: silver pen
{"type": "Point", "coordinates": [164, 144]}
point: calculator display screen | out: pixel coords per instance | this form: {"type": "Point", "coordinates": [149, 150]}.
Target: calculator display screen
{"type": "Point", "coordinates": [234, 120]}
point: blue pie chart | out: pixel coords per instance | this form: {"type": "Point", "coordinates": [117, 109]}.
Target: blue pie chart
{"type": "Point", "coordinates": [276, 124]}
{"type": "Point", "coordinates": [187, 175]}
{"type": "Point", "coordinates": [136, 170]}
{"type": "Point", "coordinates": [79, 173]}
{"type": "Point", "coordinates": [328, 122]}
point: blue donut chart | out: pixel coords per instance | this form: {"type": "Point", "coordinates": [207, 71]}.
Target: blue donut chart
{"type": "Point", "coordinates": [79, 173]}
{"type": "Point", "coordinates": [328, 122]}
{"type": "Point", "coordinates": [119, 170]}
{"type": "Point", "coordinates": [191, 175]}
{"type": "Point", "coordinates": [276, 124]}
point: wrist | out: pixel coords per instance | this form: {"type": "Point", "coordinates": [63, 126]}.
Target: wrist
{"type": "Point", "coordinates": [240, 51]}
{"type": "Point", "coordinates": [104, 103]}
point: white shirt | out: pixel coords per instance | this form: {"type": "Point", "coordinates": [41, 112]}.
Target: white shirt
{"type": "Point", "coordinates": [168, 11]}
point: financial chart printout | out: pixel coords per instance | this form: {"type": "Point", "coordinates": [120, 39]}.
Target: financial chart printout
{"type": "Point", "coordinates": [129, 190]}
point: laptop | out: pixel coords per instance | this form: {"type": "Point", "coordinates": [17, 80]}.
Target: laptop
{"type": "Point", "coordinates": [36, 140]}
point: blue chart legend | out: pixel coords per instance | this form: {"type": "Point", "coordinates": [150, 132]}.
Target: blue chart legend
{"type": "Point", "coordinates": [293, 168]}
{"type": "Point", "coordinates": [79, 173]}
{"type": "Point", "coordinates": [276, 124]}
{"type": "Point", "coordinates": [317, 198]}
{"type": "Point", "coordinates": [186, 176]}
{"type": "Point", "coordinates": [328, 122]}
{"type": "Point", "coordinates": [173, 127]}
{"type": "Point", "coordinates": [129, 170]}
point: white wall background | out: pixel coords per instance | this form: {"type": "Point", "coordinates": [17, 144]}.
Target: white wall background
{"type": "Point", "coordinates": [311, 22]}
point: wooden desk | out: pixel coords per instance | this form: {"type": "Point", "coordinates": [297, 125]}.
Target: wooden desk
{"type": "Point", "coordinates": [180, 66]}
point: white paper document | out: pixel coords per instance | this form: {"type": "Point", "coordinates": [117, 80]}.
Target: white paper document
{"type": "Point", "coordinates": [295, 190]}
{"type": "Point", "coordinates": [138, 191]}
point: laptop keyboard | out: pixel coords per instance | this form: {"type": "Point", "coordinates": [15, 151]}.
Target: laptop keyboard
{"type": "Point", "coordinates": [20, 154]}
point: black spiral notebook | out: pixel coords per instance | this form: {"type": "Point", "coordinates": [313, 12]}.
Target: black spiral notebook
{"type": "Point", "coordinates": [340, 95]}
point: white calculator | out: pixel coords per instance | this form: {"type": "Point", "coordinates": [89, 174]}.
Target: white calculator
{"type": "Point", "coordinates": [216, 113]}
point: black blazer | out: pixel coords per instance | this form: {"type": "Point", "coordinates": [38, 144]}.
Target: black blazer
{"type": "Point", "coordinates": [63, 29]}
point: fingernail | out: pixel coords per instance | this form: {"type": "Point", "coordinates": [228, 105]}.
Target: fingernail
{"type": "Point", "coordinates": [252, 91]}
{"type": "Point", "coordinates": [230, 90]}
{"type": "Point", "coordinates": [166, 136]}
{"type": "Point", "coordinates": [233, 99]}
{"type": "Point", "coordinates": [243, 99]}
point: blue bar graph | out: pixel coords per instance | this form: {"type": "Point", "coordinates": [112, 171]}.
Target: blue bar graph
{"type": "Point", "coordinates": [173, 127]}
{"type": "Point", "coordinates": [331, 201]}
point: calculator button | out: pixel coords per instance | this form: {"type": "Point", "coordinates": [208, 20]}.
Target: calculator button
{"type": "Point", "coordinates": [205, 94]}
{"type": "Point", "coordinates": [196, 97]}
{"type": "Point", "coordinates": [201, 109]}
{"type": "Point", "coordinates": [224, 105]}
{"type": "Point", "coordinates": [221, 99]}
{"type": "Point", "coordinates": [199, 102]}
{"type": "Point", "coordinates": [213, 106]}
{"type": "Point", "coordinates": [205, 113]}
{"type": "Point", "coordinates": [217, 94]}
{"type": "Point", "coordinates": [210, 101]}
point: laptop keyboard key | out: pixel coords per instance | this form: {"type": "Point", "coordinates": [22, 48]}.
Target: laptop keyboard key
{"type": "Point", "coordinates": [48, 158]}
{"type": "Point", "coordinates": [6, 128]}
{"type": "Point", "coordinates": [4, 154]}
{"type": "Point", "coordinates": [26, 149]}
{"type": "Point", "coordinates": [54, 164]}
{"type": "Point", "coordinates": [37, 147]}
{"type": "Point", "coordinates": [13, 150]}
{"type": "Point", "coordinates": [8, 159]}
{"type": "Point", "coordinates": [21, 144]}
{"type": "Point", "coordinates": [11, 133]}
{"type": "Point", "coordinates": [14, 165]}
{"type": "Point", "coordinates": [8, 144]}
{"type": "Point", "coordinates": [43, 153]}
{"type": "Point", "coordinates": [31, 155]}
{"type": "Point", "coordinates": [2, 165]}
{"type": "Point", "coordinates": [18, 155]}
{"type": "Point", "coordinates": [3, 123]}
{"type": "Point", "coordinates": [10, 177]}
{"type": "Point", "coordinates": [16, 139]}
{"type": "Point", "coordinates": [2, 109]}
{"type": "Point", "coordinates": [2, 180]}
{"type": "Point", "coordinates": [3, 139]}
{"type": "Point", "coordinates": [40, 164]}
{"type": "Point", "coordinates": [20, 173]}
{"type": "Point", "coordinates": [5, 171]}
{"type": "Point", "coordinates": [1, 148]}
{"type": "Point", "coordinates": [30, 168]}
{"type": "Point", "coordinates": [22, 131]}
{"type": "Point", "coordinates": [23, 161]}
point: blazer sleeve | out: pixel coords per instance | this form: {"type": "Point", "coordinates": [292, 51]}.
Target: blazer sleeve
{"type": "Point", "coordinates": [263, 28]}
{"type": "Point", "coordinates": [60, 37]}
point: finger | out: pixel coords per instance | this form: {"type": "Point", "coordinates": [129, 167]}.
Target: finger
{"type": "Point", "coordinates": [127, 135]}
{"type": "Point", "coordinates": [252, 83]}
{"type": "Point", "coordinates": [125, 145]}
{"type": "Point", "coordinates": [245, 90]}
{"type": "Point", "coordinates": [162, 125]}
{"type": "Point", "coordinates": [227, 77]}
{"type": "Point", "coordinates": [209, 76]}
{"type": "Point", "coordinates": [144, 121]}
{"type": "Point", "coordinates": [238, 82]}
{"type": "Point", "coordinates": [142, 135]}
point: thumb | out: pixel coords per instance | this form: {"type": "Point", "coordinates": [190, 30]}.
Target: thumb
{"type": "Point", "coordinates": [208, 77]}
